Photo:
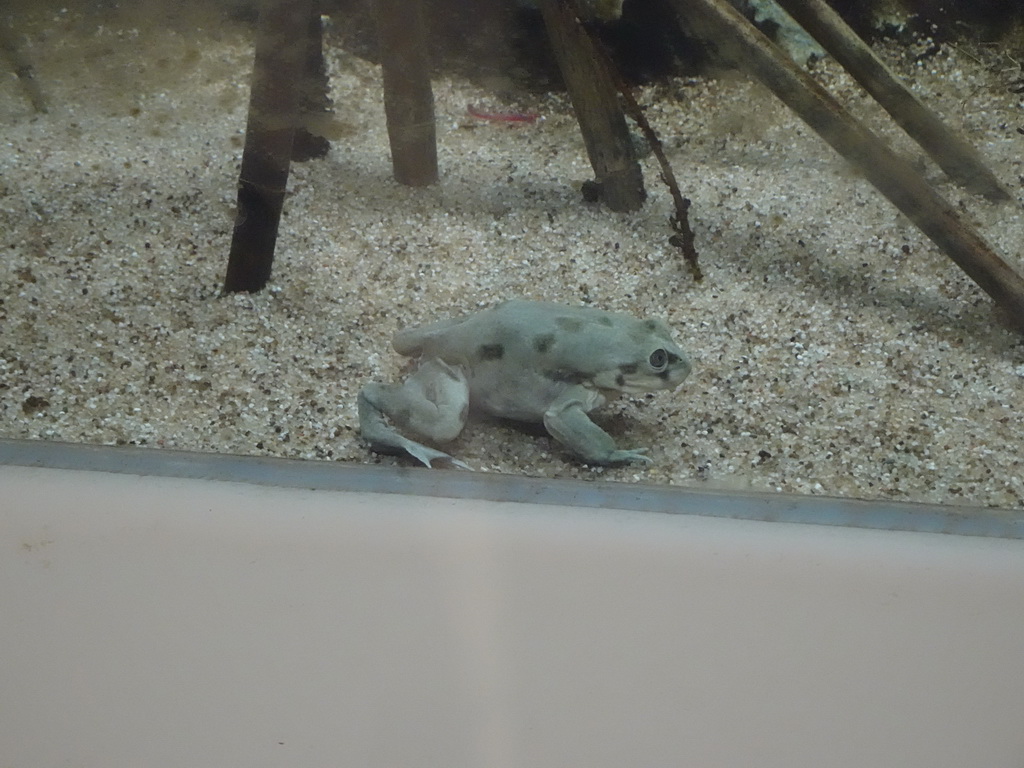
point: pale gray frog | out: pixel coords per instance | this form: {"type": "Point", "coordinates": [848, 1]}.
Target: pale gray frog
{"type": "Point", "coordinates": [525, 360]}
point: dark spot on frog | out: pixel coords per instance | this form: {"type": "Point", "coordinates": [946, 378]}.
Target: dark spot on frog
{"type": "Point", "coordinates": [626, 369]}
{"type": "Point", "coordinates": [605, 320]}
{"type": "Point", "coordinates": [543, 342]}
{"type": "Point", "coordinates": [490, 352]}
{"type": "Point", "coordinates": [651, 325]}
{"type": "Point", "coordinates": [570, 324]}
{"type": "Point", "coordinates": [566, 376]}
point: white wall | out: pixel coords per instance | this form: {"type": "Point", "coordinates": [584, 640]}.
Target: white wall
{"type": "Point", "coordinates": [168, 622]}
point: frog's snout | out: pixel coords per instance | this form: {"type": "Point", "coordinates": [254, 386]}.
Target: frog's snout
{"type": "Point", "coordinates": [685, 368]}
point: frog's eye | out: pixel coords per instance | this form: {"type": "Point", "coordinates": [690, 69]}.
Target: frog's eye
{"type": "Point", "coordinates": [658, 359]}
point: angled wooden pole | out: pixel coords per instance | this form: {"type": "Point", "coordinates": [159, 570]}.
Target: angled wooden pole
{"type": "Point", "coordinates": [725, 29]}
{"type": "Point", "coordinates": [955, 156]}
{"type": "Point", "coordinates": [595, 101]}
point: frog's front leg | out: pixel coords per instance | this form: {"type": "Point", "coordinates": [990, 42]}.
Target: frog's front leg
{"type": "Point", "coordinates": [432, 403]}
{"type": "Point", "coordinates": [567, 421]}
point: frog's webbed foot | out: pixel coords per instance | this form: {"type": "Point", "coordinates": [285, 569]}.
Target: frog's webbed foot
{"type": "Point", "coordinates": [568, 422]}
{"type": "Point", "coordinates": [634, 456]}
{"type": "Point", "coordinates": [432, 403]}
{"type": "Point", "coordinates": [424, 453]}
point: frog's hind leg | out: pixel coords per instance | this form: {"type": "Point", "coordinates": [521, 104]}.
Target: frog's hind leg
{"type": "Point", "coordinates": [432, 403]}
{"type": "Point", "coordinates": [411, 341]}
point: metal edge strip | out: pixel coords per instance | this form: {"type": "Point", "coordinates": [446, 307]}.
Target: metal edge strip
{"type": "Point", "coordinates": [455, 484]}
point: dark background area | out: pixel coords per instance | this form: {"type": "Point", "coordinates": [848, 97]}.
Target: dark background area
{"type": "Point", "coordinates": [505, 40]}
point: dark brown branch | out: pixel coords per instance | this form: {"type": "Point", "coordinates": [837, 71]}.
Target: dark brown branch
{"type": "Point", "coordinates": [723, 27]}
{"type": "Point", "coordinates": [683, 239]}
{"type": "Point", "coordinates": [954, 155]}
{"type": "Point", "coordinates": [597, 108]}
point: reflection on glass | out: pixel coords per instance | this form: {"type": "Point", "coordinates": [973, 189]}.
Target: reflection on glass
{"type": "Point", "coordinates": [847, 299]}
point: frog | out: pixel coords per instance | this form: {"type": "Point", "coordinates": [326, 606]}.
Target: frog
{"type": "Point", "coordinates": [527, 361]}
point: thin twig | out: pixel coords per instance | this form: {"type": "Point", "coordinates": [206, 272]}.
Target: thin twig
{"type": "Point", "coordinates": [683, 239]}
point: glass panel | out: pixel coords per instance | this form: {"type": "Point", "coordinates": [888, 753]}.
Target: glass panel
{"type": "Point", "coordinates": [836, 348]}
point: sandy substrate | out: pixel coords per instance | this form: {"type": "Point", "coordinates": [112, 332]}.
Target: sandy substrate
{"type": "Point", "coordinates": [836, 350]}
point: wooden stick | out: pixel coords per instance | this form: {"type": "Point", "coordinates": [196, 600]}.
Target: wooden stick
{"type": "Point", "coordinates": [723, 27]}
{"type": "Point", "coordinates": [684, 238]}
{"type": "Point", "coordinates": [408, 99]}
{"type": "Point", "coordinates": [597, 109]}
{"type": "Point", "coordinates": [22, 66]}
{"type": "Point", "coordinates": [954, 155]}
{"type": "Point", "coordinates": [313, 97]}
{"type": "Point", "coordinates": [273, 112]}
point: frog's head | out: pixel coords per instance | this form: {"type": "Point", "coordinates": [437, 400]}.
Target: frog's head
{"type": "Point", "coordinates": [646, 360]}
